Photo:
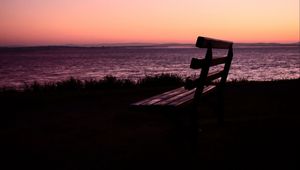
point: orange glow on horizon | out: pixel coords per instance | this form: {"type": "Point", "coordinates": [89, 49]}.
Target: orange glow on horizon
{"type": "Point", "coordinates": [35, 22]}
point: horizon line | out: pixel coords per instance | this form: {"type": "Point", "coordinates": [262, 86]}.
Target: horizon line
{"type": "Point", "coordinates": [137, 44]}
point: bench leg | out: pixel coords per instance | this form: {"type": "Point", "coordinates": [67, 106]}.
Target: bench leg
{"type": "Point", "coordinates": [186, 132]}
{"type": "Point", "coordinates": [194, 132]}
{"type": "Point", "coordinates": [220, 108]}
{"type": "Point", "coordinates": [179, 133]}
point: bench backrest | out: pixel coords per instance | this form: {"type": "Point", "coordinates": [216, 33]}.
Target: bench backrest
{"type": "Point", "coordinates": [209, 61]}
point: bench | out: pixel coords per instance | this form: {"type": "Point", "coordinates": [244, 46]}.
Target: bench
{"type": "Point", "coordinates": [182, 102]}
{"type": "Point", "coordinates": [194, 90]}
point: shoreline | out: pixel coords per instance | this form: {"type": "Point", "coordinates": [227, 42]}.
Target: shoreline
{"type": "Point", "coordinates": [166, 79]}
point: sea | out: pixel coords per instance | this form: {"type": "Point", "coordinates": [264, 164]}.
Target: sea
{"type": "Point", "coordinates": [19, 66]}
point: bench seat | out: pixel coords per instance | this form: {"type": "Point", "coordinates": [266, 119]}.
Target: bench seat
{"type": "Point", "coordinates": [174, 98]}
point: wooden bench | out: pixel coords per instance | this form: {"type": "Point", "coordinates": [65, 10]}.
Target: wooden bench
{"type": "Point", "coordinates": [194, 90]}
{"type": "Point", "coordinates": [182, 103]}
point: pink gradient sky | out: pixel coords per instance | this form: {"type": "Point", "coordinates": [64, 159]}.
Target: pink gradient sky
{"type": "Point", "coordinates": [56, 22]}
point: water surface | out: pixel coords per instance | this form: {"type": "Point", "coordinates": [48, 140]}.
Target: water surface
{"type": "Point", "coordinates": [48, 64]}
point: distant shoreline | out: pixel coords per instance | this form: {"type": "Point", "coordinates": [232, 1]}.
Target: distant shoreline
{"type": "Point", "coordinates": [138, 45]}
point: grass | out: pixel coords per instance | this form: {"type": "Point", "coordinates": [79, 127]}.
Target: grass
{"type": "Point", "coordinates": [77, 124]}
{"type": "Point", "coordinates": [111, 82]}
{"type": "Point", "coordinates": [108, 82]}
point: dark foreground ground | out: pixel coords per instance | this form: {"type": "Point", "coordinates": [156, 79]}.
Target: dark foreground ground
{"type": "Point", "coordinates": [95, 129]}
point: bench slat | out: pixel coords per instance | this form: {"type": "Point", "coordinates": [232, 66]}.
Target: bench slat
{"type": "Point", "coordinates": [157, 98]}
{"type": "Point", "coordinates": [199, 63]}
{"type": "Point", "coordinates": [206, 90]}
{"type": "Point", "coordinates": [192, 83]}
{"type": "Point", "coordinates": [174, 98]}
{"type": "Point", "coordinates": [204, 42]}
{"type": "Point", "coordinates": [214, 75]}
{"type": "Point", "coordinates": [219, 60]}
{"type": "Point", "coordinates": [171, 98]}
{"type": "Point", "coordinates": [186, 99]}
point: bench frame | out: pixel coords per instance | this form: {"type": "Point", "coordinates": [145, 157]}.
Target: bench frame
{"type": "Point", "coordinates": [194, 90]}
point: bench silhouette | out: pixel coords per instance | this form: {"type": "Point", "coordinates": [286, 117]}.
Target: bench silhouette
{"type": "Point", "coordinates": [194, 90]}
{"type": "Point", "coordinates": [182, 103]}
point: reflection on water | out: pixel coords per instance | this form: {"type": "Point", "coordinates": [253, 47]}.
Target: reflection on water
{"type": "Point", "coordinates": [53, 64]}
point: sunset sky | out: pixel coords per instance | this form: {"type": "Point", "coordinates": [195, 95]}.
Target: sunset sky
{"type": "Point", "coordinates": [58, 22]}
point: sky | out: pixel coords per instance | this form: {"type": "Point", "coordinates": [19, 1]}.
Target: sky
{"type": "Point", "coordinates": [59, 22]}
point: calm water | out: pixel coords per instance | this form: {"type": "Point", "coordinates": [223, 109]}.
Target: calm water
{"type": "Point", "coordinates": [58, 63]}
